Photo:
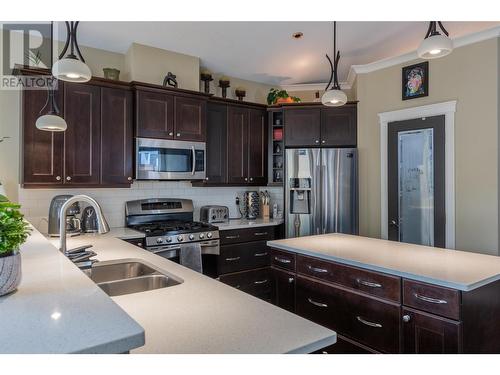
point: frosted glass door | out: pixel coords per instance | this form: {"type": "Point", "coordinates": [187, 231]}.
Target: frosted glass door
{"type": "Point", "coordinates": [416, 186]}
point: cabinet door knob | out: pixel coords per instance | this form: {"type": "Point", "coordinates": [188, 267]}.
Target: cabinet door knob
{"type": "Point", "coordinates": [323, 141]}
{"type": "Point", "coordinates": [316, 141]}
{"type": "Point", "coordinates": [206, 178]}
{"type": "Point", "coordinates": [178, 134]}
{"type": "Point", "coordinates": [171, 133]}
{"type": "Point", "coordinates": [406, 318]}
{"type": "Point", "coordinates": [246, 179]}
{"type": "Point", "coordinates": [58, 178]}
{"type": "Point", "coordinates": [251, 178]}
{"type": "Point", "coordinates": [68, 178]}
{"type": "Point", "coordinates": [129, 178]}
{"type": "Point", "coordinates": [290, 280]}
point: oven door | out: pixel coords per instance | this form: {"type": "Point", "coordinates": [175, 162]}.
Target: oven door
{"type": "Point", "coordinates": [161, 159]}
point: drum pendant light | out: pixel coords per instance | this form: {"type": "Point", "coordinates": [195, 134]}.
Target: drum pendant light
{"type": "Point", "coordinates": [71, 68]}
{"type": "Point", "coordinates": [334, 97]}
{"type": "Point", "coordinates": [51, 121]}
{"type": "Point", "coordinates": [435, 44]}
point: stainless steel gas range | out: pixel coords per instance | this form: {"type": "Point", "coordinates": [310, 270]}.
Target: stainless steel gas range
{"type": "Point", "coordinates": [168, 223]}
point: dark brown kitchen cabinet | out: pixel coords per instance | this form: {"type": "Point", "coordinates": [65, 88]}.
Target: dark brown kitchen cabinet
{"type": "Point", "coordinates": [42, 162]}
{"type": "Point", "coordinates": [216, 169]}
{"type": "Point", "coordinates": [320, 126]}
{"type": "Point", "coordinates": [82, 106]}
{"type": "Point", "coordinates": [284, 289]}
{"type": "Point", "coordinates": [425, 333]}
{"type": "Point", "coordinates": [190, 119]}
{"type": "Point", "coordinates": [237, 142]}
{"type": "Point", "coordinates": [154, 114]}
{"type": "Point", "coordinates": [116, 137]}
{"type": "Point", "coordinates": [338, 126]}
{"type": "Point", "coordinates": [257, 147]}
{"type": "Point", "coordinates": [302, 127]}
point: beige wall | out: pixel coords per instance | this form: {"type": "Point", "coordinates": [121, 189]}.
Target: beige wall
{"type": "Point", "coordinates": [148, 64]}
{"type": "Point", "coordinates": [470, 76]}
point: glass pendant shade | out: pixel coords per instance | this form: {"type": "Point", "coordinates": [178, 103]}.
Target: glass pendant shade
{"type": "Point", "coordinates": [51, 122]}
{"type": "Point", "coordinates": [71, 70]}
{"type": "Point", "coordinates": [334, 98]}
{"type": "Point", "coordinates": [435, 46]}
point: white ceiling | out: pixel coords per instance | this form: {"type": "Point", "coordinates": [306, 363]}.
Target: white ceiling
{"type": "Point", "coordinates": [265, 51]}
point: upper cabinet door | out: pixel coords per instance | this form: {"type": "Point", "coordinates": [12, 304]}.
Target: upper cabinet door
{"type": "Point", "coordinates": [237, 144]}
{"type": "Point", "coordinates": [257, 147]}
{"type": "Point", "coordinates": [42, 150]}
{"type": "Point", "coordinates": [339, 126]}
{"type": "Point", "coordinates": [302, 126]}
{"type": "Point", "coordinates": [154, 115]}
{"type": "Point", "coordinates": [190, 119]}
{"type": "Point", "coordinates": [116, 136]}
{"type": "Point", "coordinates": [82, 155]}
{"type": "Point", "coordinates": [216, 170]}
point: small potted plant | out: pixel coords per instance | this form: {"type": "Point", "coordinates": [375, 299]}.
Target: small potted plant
{"type": "Point", "coordinates": [280, 96]}
{"type": "Point", "coordinates": [13, 233]}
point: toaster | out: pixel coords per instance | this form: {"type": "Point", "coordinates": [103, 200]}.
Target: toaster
{"type": "Point", "coordinates": [214, 214]}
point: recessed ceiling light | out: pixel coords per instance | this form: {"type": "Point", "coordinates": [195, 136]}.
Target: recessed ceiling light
{"type": "Point", "coordinates": [298, 35]}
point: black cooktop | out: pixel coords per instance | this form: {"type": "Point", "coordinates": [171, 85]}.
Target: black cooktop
{"type": "Point", "coordinates": [173, 227]}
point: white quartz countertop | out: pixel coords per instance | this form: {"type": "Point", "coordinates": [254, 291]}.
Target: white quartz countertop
{"type": "Point", "coordinates": [57, 309]}
{"type": "Point", "coordinates": [242, 223]}
{"type": "Point", "coordinates": [203, 315]}
{"type": "Point", "coordinates": [450, 268]}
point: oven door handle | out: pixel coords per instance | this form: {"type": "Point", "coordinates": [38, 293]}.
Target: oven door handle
{"type": "Point", "coordinates": [193, 169]}
{"type": "Point", "coordinates": [176, 248]}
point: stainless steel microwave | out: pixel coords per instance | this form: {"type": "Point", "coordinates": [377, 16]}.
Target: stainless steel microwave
{"type": "Point", "coordinates": [162, 159]}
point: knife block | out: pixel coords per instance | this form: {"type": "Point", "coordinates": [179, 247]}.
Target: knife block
{"type": "Point", "coordinates": [265, 211]}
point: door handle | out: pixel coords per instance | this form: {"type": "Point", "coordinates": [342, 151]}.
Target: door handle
{"type": "Point", "coordinates": [193, 169]}
{"type": "Point", "coordinates": [393, 223]}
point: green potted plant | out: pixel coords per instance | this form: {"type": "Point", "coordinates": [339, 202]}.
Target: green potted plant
{"type": "Point", "coordinates": [280, 96]}
{"type": "Point", "coordinates": [13, 233]}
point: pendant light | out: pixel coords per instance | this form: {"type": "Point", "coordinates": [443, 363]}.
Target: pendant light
{"type": "Point", "coordinates": [334, 97]}
{"type": "Point", "coordinates": [51, 121]}
{"type": "Point", "coordinates": [71, 68]}
{"type": "Point", "coordinates": [435, 44]}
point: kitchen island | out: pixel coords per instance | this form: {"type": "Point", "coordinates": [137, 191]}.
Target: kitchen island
{"type": "Point", "coordinates": [393, 297]}
{"type": "Point", "coordinates": [200, 315]}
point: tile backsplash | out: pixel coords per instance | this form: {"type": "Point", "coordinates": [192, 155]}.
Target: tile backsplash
{"type": "Point", "coordinates": [35, 202]}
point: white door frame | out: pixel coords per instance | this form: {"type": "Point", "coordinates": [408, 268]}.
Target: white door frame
{"type": "Point", "coordinates": [448, 109]}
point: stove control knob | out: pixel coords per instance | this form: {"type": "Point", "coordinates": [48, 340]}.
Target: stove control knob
{"type": "Point", "coordinates": [180, 238]}
{"type": "Point", "coordinates": [169, 239]}
{"type": "Point", "coordinates": [191, 237]}
{"type": "Point", "coordinates": [202, 236]}
{"type": "Point", "coordinates": [159, 240]}
{"type": "Point", "coordinates": [209, 234]}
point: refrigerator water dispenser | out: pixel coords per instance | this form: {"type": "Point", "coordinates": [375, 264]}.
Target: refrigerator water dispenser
{"type": "Point", "coordinates": [300, 195]}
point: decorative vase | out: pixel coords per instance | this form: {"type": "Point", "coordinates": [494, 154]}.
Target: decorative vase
{"type": "Point", "coordinates": [111, 73]}
{"type": "Point", "coordinates": [240, 94]}
{"type": "Point", "coordinates": [10, 273]}
{"type": "Point", "coordinates": [224, 84]}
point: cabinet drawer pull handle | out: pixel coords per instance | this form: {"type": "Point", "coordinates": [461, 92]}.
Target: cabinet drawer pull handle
{"type": "Point", "coordinates": [258, 282]}
{"type": "Point", "coordinates": [316, 269]}
{"type": "Point", "coordinates": [232, 237]}
{"type": "Point", "coordinates": [260, 254]}
{"type": "Point", "coordinates": [232, 259]}
{"type": "Point", "coordinates": [260, 233]}
{"type": "Point", "coordinates": [319, 304]}
{"type": "Point", "coordinates": [429, 299]}
{"type": "Point", "coordinates": [282, 260]}
{"type": "Point", "coordinates": [370, 324]}
{"type": "Point", "coordinates": [368, 283]}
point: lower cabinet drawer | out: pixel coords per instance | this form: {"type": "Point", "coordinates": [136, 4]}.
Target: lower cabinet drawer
{"type": "Point", "coordinates": [283, 259]}
{"type": "Point", "coordinates": [370, 321]}
{"type": "Point", "coordinates": [243, 256]}
{"type": "Point", "coordinates": [346, 346]}
{"type": "Point", "coordinates": [256, 282]}
{"type": "Point", "coordinates": [431, 298]}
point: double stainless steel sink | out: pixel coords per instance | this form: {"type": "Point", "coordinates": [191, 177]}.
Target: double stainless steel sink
{"type": "Point", "coordinates": [127, 276]}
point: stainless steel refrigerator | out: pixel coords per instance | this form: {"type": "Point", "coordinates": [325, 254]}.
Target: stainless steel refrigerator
{"type": "Point", "coordinates": [321, 191]}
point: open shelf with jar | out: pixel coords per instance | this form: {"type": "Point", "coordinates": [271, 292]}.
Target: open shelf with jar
{"type": "Point", "coordinates": [276, 147]}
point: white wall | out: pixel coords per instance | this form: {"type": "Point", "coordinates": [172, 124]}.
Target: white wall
{"type": "Point", "coordinates": [35, 202]}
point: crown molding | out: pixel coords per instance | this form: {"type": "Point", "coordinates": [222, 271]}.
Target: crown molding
{"type": "Point", "coordinates": [312, 86]}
